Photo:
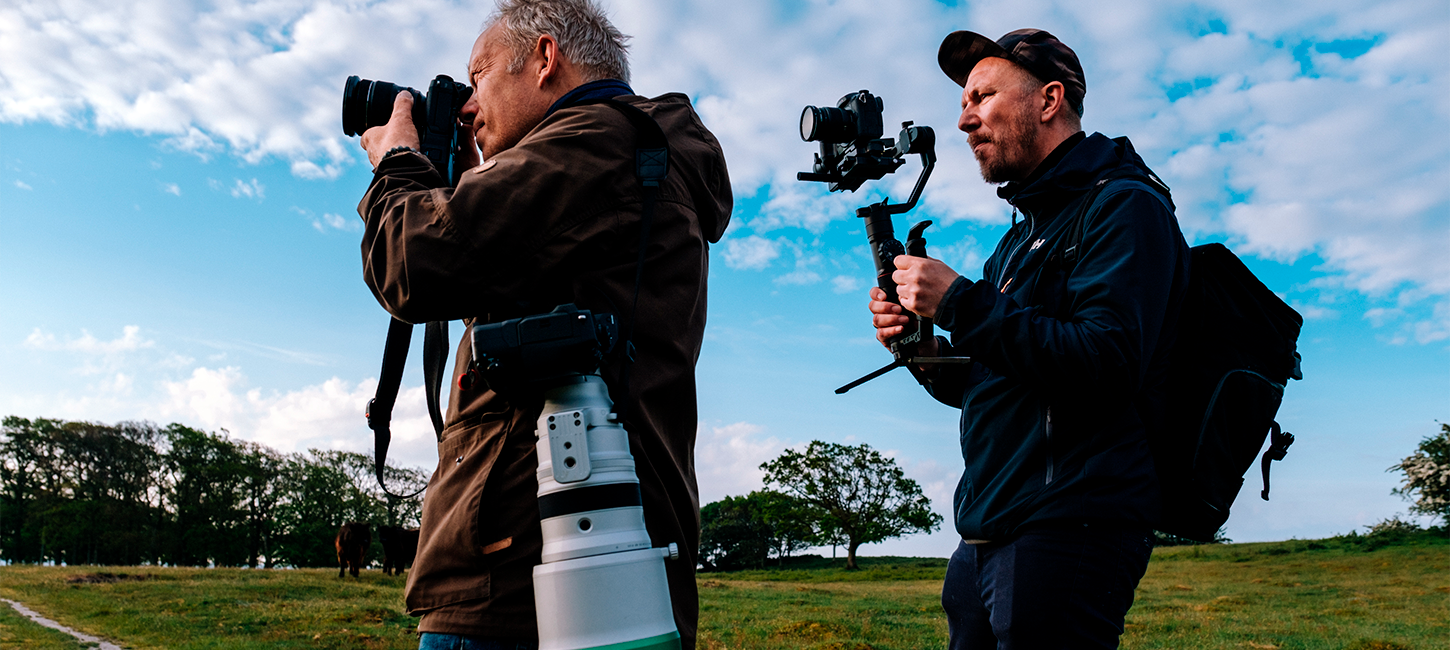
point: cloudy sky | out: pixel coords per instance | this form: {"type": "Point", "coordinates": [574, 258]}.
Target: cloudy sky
{"type": "Point", "coordinates": [179, 238]}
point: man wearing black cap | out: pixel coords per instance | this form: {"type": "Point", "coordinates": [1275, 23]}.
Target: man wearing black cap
{"type": "Point", "coordinates": [1070, 327]}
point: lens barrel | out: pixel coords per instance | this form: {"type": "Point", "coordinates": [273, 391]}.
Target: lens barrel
{"type": "Point", "coordinates": [601, 583]}
{"type": "Point", "coordinates": [367, 103]}
{"type": "Point", "coordinates": [827, 124]}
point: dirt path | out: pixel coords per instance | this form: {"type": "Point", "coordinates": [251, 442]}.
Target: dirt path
{"type": "Point", "coordinates": [84, 638]}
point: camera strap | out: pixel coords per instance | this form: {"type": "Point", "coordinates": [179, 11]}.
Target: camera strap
{"type": "Point", "coordinates": [651, 166]}
{"type": "Point", "coordinates": [380, 408]}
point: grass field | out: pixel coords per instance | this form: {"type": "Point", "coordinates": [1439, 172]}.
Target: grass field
{"type": "Point", "coordinates": [1346, 593]}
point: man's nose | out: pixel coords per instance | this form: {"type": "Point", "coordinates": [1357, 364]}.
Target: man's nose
{"type": "Point", "coordinates": [969, 120]}
{"type": "Point", "coordinates": [469, 110]}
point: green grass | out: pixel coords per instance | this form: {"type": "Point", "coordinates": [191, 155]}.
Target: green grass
{"type": "Point", "coordinates": [219, 608]}
{"type": "Point", "coordinates": [17, 631]}
{"type": "Point", "coordinates": [1348, 593]}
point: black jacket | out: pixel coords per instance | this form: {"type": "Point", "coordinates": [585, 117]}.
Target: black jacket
{"type": "Point", "coordinates": [1070, 358]}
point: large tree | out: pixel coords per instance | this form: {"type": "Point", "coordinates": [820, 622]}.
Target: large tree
{"type": "Point", "coordinates": [1427, 476]}
{"type": "Point", "coordinates": [863, 497]}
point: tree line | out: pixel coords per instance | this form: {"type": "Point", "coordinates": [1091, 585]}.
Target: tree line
{"type": "Point", "coordinates": [137, 493]}
{"type": "Point", "coordinates": [826, 495]}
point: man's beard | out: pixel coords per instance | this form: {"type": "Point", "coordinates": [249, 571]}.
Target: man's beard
{"type": "Point", "coordinates": [1012, 160]}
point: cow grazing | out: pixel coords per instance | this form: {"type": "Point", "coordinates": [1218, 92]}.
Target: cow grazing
{"type": "Point", "coordinates": [353, 540]}
{"type": "Point", "coordinates": [399, 547]}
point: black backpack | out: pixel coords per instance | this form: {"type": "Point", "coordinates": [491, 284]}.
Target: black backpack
{"type": "Point", "coordinates": [1233, 354]}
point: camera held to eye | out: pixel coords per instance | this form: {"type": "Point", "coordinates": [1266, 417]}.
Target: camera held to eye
{"type": "Point", "coordinates": [367, 103]}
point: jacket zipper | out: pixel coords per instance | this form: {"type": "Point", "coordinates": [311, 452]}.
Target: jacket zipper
{"type": "Point", "coordinates": [1049, 446]}
{"type": "Point", "coordinates": [1031, 228]}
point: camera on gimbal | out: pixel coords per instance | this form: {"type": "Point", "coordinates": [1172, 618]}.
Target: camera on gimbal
{"type": "Point", "coordinates": [853, 152]}
{"type": "Point", "coordinates": [367, 103]}
{"type": "Point", "coordinates": [852, 149]}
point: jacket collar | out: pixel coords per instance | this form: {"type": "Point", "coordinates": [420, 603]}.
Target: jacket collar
{"type": "Point", "coordinates": [599, 89]}
{"type": "Point", "coordinates": [1074, 172]}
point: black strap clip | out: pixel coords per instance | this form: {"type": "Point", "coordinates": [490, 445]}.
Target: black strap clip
{"type": "Point", "coordinates": [1279, 442]}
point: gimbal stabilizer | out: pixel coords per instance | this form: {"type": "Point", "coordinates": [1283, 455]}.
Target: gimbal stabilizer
{"type": "Point", "coordinates": [853, 152]}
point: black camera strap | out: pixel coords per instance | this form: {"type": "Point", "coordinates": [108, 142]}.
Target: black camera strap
{"type": "Point", "coordinates": [380, 408]}
{"type": "Point", "coordinates": [651, 166]}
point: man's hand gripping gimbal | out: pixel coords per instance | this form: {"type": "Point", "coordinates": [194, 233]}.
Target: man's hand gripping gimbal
{"type": "Point", "coordinates": [853, 152]}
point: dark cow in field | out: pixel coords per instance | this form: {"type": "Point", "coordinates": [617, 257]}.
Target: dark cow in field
{"type": "Point", "coordinates": [399, 547]}
{"type": "Point", "coordinates": [353, 540]}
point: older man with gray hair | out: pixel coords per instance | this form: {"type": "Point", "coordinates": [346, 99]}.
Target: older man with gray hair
{"type": "Point", "coordinates": [549, 212]}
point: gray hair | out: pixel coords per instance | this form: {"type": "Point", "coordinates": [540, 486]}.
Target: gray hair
{"type": "Point", "coordinates": [584, 33]}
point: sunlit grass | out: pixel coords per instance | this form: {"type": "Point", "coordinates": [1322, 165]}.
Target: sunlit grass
{"type": "Point", "coordinates": [1355, 593]}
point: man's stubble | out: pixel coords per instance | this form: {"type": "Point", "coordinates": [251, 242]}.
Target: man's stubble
{"type": "Point", "coordinates": [1013, 154]}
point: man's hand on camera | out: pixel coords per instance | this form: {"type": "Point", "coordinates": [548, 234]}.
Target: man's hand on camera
{"type": "Point", "coordinates": [889, 319]}
{"type": "Point", "coordinates": [921, 283]}
{"type": "Point", "coordinates": [467, 155]}
{"type": "Point", "coordinates": [398, 132]}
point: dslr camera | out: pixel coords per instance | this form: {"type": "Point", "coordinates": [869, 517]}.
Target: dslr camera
{"type": "Point", "coordinates": [852, 149]}
{"type": "Point", "coordinates": [367, 103]}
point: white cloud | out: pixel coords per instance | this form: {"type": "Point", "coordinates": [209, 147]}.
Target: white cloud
{"type": "Point", "coordinates": [171, 188]}
{"type": "Point", "coordinates": [130, 340]}
{"type": "Point", "coordinates": [799, 277]}
{"type": "Point", "coordinates": [22, 185]}
{"type": "Point", "coordinates": [845, 284]}
{"type": "Point", "coordinates": [260, 78]}
{"type": "Point", "coordinates": [328, 220]}
{"type": "Point", "coordinates": [325, 416]}
{"type": "Point", "coordinates": [728, 458]}
{"type": "Point", "coordinates": [752, 252]}
{"type": "Point", "coordinates": [249, 189]}
{"type": "Point", "coordinates": [339, 222]}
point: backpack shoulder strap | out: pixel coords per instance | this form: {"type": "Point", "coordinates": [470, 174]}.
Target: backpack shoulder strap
{"type": "Point", "coordinates": [1069, 248]}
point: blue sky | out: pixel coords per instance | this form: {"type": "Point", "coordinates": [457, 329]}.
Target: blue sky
{"type": "Point", "coordinates": [179, 238]}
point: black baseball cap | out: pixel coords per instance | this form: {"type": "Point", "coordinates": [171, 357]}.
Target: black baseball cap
{"type": "Point", "coordinates": [1039, 52]}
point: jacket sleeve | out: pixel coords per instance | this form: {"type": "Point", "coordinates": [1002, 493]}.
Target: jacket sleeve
{"type": "Point", "coordinates": [1121, 289]}
{"type": "Point", "coordinates": [949, 383]}
{"type": "Point", "coordinates": [436, 253]}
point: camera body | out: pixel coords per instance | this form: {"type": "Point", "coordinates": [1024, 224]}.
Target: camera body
{"type": "Point", "coordinates": [524, 353]}
{"type": "Point", "coordinates": [367, 103]}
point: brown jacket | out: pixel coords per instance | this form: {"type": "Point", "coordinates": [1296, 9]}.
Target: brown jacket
{"type": "Point", "coordinates": [553, 220]}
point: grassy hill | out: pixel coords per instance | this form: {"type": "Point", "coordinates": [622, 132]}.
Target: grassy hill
{"type": "Point", "coordinates": [1376, 592]}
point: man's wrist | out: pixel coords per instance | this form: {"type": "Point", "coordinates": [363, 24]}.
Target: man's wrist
{"type": "Point", "coordinates": [946, 311]}
{"type": "Point", "coordinates": [395, 151]}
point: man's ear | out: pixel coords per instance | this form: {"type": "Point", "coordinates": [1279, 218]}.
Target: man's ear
{"type": "Point", "coordinates": [1054, 100]}
{"type": "Point", "coordinates": [546, 56]}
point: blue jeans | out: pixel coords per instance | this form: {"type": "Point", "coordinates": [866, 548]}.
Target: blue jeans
{"type": "Point", "coordinates": [435, 641]}
{"type": "Point", "coordinates": [1065, 586]}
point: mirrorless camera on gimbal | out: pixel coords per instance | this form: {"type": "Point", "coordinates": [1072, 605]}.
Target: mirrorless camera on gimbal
{"type": "Point", "coordinates": [367, 103]}
{"type": "Point", "coordinates": [853, 152]}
